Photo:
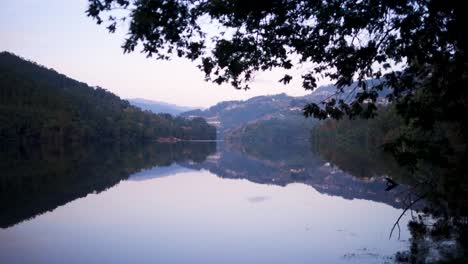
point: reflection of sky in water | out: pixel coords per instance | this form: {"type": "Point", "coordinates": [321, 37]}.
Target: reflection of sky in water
{"type": "Point", "coordinates": [196, 217]}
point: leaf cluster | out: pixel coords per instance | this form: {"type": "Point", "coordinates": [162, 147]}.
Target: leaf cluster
{"type": "Point", "coordinates": [415, 49]}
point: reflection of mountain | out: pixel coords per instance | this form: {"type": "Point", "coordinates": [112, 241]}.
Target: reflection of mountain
{"type": "Point", "coordinates": [157, 172]}
{"type": "Point", "coordinates": [282, 165]}
{"type": "Point", "coordinates": [35, 181]}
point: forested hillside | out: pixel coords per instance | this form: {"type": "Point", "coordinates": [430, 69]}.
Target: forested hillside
{"type": "Point", "coordinates": [276, 131]}
{"type": "Point", "coordinates": [38, 104]}
{"type": "Point", "coordinates": [232, 115]}
{"type": "Point", "coordinates": [357, 146]}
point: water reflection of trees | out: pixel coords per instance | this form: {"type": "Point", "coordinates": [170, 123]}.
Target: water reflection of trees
{"type": "Point", "coordinates": [436, 197]}
{"type": "Point", "coordinates": [37, 180]}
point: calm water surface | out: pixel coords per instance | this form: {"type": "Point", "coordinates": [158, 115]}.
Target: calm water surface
{"type": "Point", "coordinates": [194, 205]}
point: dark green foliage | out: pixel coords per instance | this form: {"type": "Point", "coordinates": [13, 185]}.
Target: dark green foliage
{"type": "Point", "coordinates": [40, 105]}
{"type": "Point", "coordinates": [356, 146]}
{"type": "Point", "coordinates": [273, 132]}
{"type": "Point", "coordinates": [417, 229]}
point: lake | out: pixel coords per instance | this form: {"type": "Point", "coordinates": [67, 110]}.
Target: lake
{"type": "Point", "coordinates": [193, 202]}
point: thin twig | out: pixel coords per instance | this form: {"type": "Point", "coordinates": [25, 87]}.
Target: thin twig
{"type": "Point", "coordinates": [403, 213]}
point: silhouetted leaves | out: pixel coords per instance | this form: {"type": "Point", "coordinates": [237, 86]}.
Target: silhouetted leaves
{"type": "Point", "coordinates": [414, 49]}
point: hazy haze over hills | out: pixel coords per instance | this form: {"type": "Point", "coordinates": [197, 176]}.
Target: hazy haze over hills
{"type": "Point", "coordinates": [158, 106]}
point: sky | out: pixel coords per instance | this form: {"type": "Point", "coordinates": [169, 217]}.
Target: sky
{"type": "Point", "coordinates": [59, 35]}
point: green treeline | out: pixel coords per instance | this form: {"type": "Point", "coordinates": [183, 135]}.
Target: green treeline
{"type": "Point", "coordinates": [356, 146]}
{"type": "Point", "coordinates": [274, 131]}
{"type": "Point", "coordinates": [39, 105]}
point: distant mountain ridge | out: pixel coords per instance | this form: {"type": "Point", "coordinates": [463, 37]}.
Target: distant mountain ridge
{"type": "Point", "coordinates": [232, 116]}
{"type": "Point", "coordinates": [228, 116]}
{"type": "Point", "coordinates": [158, 106]}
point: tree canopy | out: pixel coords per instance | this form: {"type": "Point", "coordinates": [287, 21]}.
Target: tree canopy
{"type": "Point", "coordinates": [414, 48]}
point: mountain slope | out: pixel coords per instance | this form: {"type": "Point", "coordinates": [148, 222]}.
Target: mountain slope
{"type": "Point", "coordinates": [159, 107]}
{"type": "Point", "coordinates": [231, 115]}
{"type": "Point", "coordinates": [261, 111]}
{"type": "Point", "coordinates": [40, 105]}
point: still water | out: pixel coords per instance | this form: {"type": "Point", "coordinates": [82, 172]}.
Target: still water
{"type": "Point", "coordinates": [192, 203]}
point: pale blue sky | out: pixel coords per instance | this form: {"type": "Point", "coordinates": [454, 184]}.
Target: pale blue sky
{"type": "Point", "coordinates": [58, 34]}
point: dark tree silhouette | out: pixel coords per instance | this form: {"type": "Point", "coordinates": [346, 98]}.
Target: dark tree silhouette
{"type": "Point", "coordinates": [414, 48]}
